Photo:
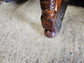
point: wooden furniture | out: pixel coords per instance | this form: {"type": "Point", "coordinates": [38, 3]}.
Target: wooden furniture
{"type": "Point", "coordinates": [52, 15]}
{"type": "Point", "coordinates": [53, 12]}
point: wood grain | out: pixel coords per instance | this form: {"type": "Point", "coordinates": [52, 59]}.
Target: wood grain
{"type": "Point", "coordinates": [49, 15]}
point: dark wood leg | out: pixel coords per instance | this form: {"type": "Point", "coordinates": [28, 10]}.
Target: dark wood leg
{"type": "Point", "coordinates": [49, 16]}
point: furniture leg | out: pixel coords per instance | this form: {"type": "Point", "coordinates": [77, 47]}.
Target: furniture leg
{"type": "Point", "coordinates": [49, 16]}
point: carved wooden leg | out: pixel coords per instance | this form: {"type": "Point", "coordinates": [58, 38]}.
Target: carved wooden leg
{"type": "Point", "coordinates": [49, 16]}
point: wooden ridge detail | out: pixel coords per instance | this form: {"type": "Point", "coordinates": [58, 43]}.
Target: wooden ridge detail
{"type": "Point", "coordinates": [49, 15]}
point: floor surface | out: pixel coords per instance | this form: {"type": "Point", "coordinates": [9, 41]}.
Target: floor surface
{"type": "Point", "coordinates": [22, 38]}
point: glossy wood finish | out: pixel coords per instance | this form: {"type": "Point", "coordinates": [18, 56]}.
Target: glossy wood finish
{"type": "Point", "coordinates": [49, 16]}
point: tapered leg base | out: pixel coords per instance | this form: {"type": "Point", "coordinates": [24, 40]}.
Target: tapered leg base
{"type": "Point", "coordinates": [58, 23]}
{"type": "Point", "coordinates": [50, 34]}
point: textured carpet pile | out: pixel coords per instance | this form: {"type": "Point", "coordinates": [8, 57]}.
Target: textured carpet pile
{"type": "Point", "coordinates": [22, 38]}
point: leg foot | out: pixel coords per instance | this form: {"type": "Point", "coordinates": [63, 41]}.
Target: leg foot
{"type": "Point", "coordinates": [52, 18]}
{"type": "Point", "coordinates": [50, 34]}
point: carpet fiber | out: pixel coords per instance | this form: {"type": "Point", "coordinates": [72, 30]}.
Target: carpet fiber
{"type": "Point", "coordinates": [22, 38]}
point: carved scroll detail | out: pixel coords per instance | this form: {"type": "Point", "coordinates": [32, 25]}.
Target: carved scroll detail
{"type": "Point", "coordinates": [48, 17]}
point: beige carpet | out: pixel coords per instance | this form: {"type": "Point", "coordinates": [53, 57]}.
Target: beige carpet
{"type": "Point", "coordinates": [22, 39]}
